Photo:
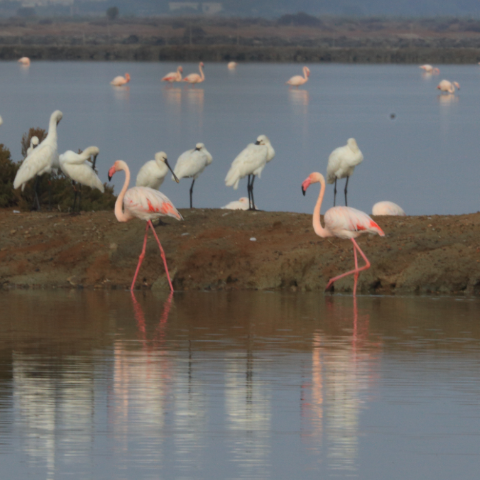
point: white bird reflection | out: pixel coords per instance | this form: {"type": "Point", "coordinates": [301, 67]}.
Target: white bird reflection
{"type": "Point", "coordinates": [299, 100]}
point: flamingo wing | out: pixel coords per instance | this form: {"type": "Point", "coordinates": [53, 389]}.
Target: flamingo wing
{"type": "Point", "coordinates": [347, 222]}
{"type": "Point", "coordinates": [148, 204]}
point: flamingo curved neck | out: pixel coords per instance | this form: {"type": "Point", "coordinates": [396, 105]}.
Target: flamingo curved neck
{"type": "Point", "coordinates": [119, 213]}
{"type": "Point", "coordinates": [305, 73]}
{"type": "Point", "coordinates": [317, 226]}
{"type": "Point", "coordinates": [201, 71]}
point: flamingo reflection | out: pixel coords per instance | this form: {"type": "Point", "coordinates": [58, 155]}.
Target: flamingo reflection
{"type": "Point", "coordinates": [173, 95]}
{"type": "Point", "coordinates": [195, 97]}
{"type": "Point", "coordinates": [122, 93]}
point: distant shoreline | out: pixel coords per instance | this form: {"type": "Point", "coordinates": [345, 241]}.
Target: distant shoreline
{"type": "Point", "coordinates": [225, 53]}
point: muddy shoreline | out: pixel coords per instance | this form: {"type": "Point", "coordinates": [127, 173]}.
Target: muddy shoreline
{"type": "Point", "coordinates": [236, 250]}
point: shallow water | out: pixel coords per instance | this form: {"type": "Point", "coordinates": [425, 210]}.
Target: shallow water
{"type": "Point", "coordinates": [253, 385]}
{"type": "Point", "coordinates": [425, 159]}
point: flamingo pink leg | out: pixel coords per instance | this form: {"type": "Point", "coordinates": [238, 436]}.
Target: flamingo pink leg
{"type": "Point", "coordinates": [356, 271]}
{"type": "Point", "coordinates": [162, 253]}
{"type": "Point", "coordinates": [356, 274]}
{"type": "Point", "coordinates": [140, 260]}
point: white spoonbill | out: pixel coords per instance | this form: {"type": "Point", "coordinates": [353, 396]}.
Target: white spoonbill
{"type": "Point", "coordinates": [173, 76]}
{"type": "Point", "coordinates": [191, 164]}
{"type": "Point", "coordinates": [341, 163]}
{"type": "Point", "coordinates": [241, 204]}
{"type": "Point", "coordinates": [388, 208]}
{"type": "Point", "coordinates": [342, 222]}
{"type": "Point", "coordinates": [429, 69]}
{"type": "Point", "coordinates": [298, 80]}
{"type": "Point", "coordinates": [34, 141]}
{"type": "Point", "coordinates": [232, 65]}
{"type": "Point", "coordinates": [24, 61]}
{"type": "Point", "coordinates": [195, 77]}
{"type": "Point", "coordinates": [153, 173]}
{"type": "Point", "coordinates": [76, 167]}
{"type": "Point", "coordinates": [119, 81]}
{"type": "Point", "coordinates": [446, 86]}
{"type": "Point", "coordinates": [42, 159]}
{"type": "Point", "coordinates": [250, 161]}
{"type": "Point", "coordinates": [143, 203]}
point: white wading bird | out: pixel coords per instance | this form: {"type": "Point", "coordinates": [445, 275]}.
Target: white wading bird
{"type": "Point", "coordinates": [388, 208]}
{"type": "Point", "coordinates": [250, 161]}
{"type": "Point", "coordinates": [34, 141]}
{"type": "Point", "coordinates": [191, 164]}
{"type": "Point", "coordinates": [153, 173]}
{"type": "Point", "coordinates": [76, 167]}
{"type": "Point", "coordinates": [241, 204]}
{"type": "Point", "coordinates": [41, 159]}
{"type": "Point", "coordinates": [341, 163]}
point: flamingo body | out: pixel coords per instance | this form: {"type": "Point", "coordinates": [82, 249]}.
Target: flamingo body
{"type": "Point", "coordinates": [119, 81]}
{"type": "Point", "coordinates": [388, 208]}
{"type": "Point", "coordinates": [76, 166]}
{"type": "Point", "coordinates": [195, 77]}
{"type": "Point", "coordinates": [24, 61]}
{"type": "Point", "coordinates": [173, 76]}
{"type": "Point", "coordinates": [153, 173]}
{"type": "Point", "coordinates": [429, 69]}
{"type": "Point", "coordinates": [298, 80]}
{"type": "Point", "coordinates": [232, 65]}
{"type": "Point", "coordinates": [445, 86]}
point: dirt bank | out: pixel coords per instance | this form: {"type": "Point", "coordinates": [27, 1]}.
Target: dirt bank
{"type": "Point", "coordinates": [214, 249]}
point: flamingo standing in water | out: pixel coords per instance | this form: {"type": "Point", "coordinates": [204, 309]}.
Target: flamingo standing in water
{"type": "Point", "coordinates": [173, 76]}
{"type": "Point", "coordinates": [342, 222]}
{"type": "Point", "coordinates": [388, 208]}
{"type": "Point", "coordinates": [232, 65]}
{"type": "Point", "coordinates": [195, 77]}
{"type": "Point", "coordinates": [24, 61]}
{"type": "Point", "coordinates": [298, 80]}
{"type": "Point", "coordinates": [429, 69]}
{"type": "Point", "coordinates": [119, 81]}
{"type": "Point", "coordinates": [448, 87]}
{"type": "Point", "coordinates": [146, 204]}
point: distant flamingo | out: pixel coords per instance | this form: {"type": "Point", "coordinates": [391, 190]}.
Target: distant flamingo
{"type": "Point", "coordinates": [342, 222]}
{"type": "Point", "coordinates": [298, 80]}
{"type": "Point", "coordinates": [429, 69]}
{"type": "Point", "coordinates": [448, 87]}
{"type": "Point", "coordinates": [143, 203]}
{"type": "Point", "coordinates": [341, 163]}
{"type": "Point", "coordinates": [119, 81]}
{"type": "Point", "coordinates": [232, 65]}
{"type": "Point", "coordinates": [173, 76]}
{"type": "Point", "coordinates": [388, 208]}
{"type": "Point", "coordinates": [24, 61]}
{"type": "Point", "coordinates": [195, 77]}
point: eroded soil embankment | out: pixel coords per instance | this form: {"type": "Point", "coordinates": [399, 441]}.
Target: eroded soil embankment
{"type": "Point", "coordinates": [213, 249]}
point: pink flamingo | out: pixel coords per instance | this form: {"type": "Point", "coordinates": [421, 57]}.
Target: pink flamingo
{"type": "Point", "coordinates": [119, 81]}
{"type": "Point", "coordinates": [446, 86]}
{"type": "Point", "coordinates": [429, 69]}
{"type": "Point", "coordinates": [342, 222]}
{"type": "Point", "coordinates": [195, 77]}
{"type": "Point", "coordinates": [298, 80]}
{"type": "Point", "coordinates": [173, 76]}
{"type": "Point", "coordinates": [24, 61]}
{"type": "Point", "coordinates": [146, 204]}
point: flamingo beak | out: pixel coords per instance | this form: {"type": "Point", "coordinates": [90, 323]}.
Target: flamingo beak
{"type": "Point", "coordinates": [173, 173]}
{"type": "Point", "coordinates": [111, 173]}
{"type": "Point", "coordinates": [305, 185]}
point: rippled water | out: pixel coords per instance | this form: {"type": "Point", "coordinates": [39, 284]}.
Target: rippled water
{"type": "Point", "coordinates": [425, 159]}
{"type": "Point", "coordinates": [253, 385]}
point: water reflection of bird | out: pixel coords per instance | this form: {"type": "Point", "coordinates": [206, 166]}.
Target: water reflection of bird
{"type": "Point", "coordinates": [342, 222]}
{"type": "Point", "coordinates": [298, 80]}
{"type": "Point", "coordinates": [250, 161]}
{"type": "Point", "coordinates": [119, 81]}
{"type": "Point", "coordinates": [153, 173]}
{"type": "Point", "coordinates": [191, 164]}
{"type": "Point", "coordinates": [341, 163]}
{"type": "Point", "coordinates": [388, 208]}
{"type": "Point", "coordinates": [447, 99]}
{"type": "Point", "coordinates": [445, 86]}
{"type": "Point", "coordinates": [173, 76]}
{"type": "Point", "coordinates": [25, 61]}
{"type": "Point", "coordinates": [298, 97]}
{"type": "Point", "coordinates": [143, 203]}
{"type": "Point", "coordinates": [195, 77]}
{"type": "Point", "coordinates": [195, 97]}
{"type": "Point", "coordinates": [429, 69]}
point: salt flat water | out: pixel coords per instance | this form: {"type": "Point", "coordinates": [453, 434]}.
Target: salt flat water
{"type": "Point", "coordinates": [253, 385]}
{"type": "Point", "coordinates": [425, 159]}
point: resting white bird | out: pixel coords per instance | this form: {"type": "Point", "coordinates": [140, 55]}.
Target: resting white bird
{"type": "Point", "coordinates": [250, 161]}
{"type": "Point", "coordinates": [191, 164]}
{"type": "Point", "coordinates": [76, 167]}
{"type": "Point", "coordinates": [388, 208]}
{"type": "Point", "coordinates": [153, 173]}
{"type": "Point", "coordinates": [341, 163]}
{"type": "Point", "coordinates": [241, 204]}
{"type": "Point", "coordinates": [41, 159]}
{"type": "Point", "coordinates": [33, 143]}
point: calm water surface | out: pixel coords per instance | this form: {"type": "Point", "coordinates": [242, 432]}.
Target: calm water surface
{"type": "Point", "coordinates": [426, 159]}
{"type": "Point", "coordinates": [238, 385]}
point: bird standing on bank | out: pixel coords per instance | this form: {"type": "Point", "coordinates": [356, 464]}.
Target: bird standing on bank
{"type": "Point", "coordinates": [195, 77]}
{"type": "Point", "coordinates": [119, 81]}
{"type": "Point", "coordinates": [241, 204]}
{"type": "Point", "coordinates": [341, 163]}
{"type": "Point", "coordinates": [34, 141]}
{"type": "Point", "coordinates": [173, 76]}
{"type": "Point", "coordinates": [250, 162]}
{"type": "Point", "coordinates": [153, 173]}
{"type": "Point", "coordinates": [388, 208]}
{"type": "Point", "coordinates": [342, 222]}
{"type": "Point", "coordinates": [143, 203]}
{"type": "Point", "coordinates": [191, 164]}
{"type": "Point", "coordinates": [41, 159]}
{"type": "Point", "coordinates": [298, 80]}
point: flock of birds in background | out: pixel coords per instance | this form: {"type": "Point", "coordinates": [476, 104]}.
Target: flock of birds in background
{"type": "Point", "coordinates": [146, 202]}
